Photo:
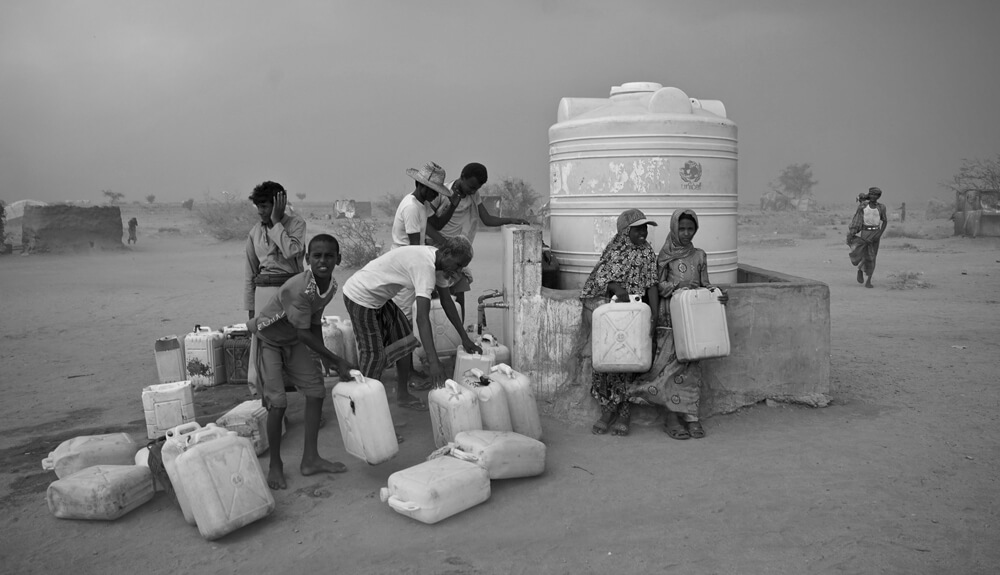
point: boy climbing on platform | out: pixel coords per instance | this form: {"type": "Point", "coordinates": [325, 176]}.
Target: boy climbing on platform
{"type": "Point", "coordinates": [288, 327]}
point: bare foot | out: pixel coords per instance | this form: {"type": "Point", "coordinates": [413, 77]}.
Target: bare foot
{"type": "Point", "coordinates": [320, 465]}
{"type": "Point", "coordinates": [276, 478]}
{"type": "Point", "coordinates": [868, 285]}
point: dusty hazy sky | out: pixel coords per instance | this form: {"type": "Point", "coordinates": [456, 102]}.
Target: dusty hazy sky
{"type": "Point", "coordinates": [336, 99]}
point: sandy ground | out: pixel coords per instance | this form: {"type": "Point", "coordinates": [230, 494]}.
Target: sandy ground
{"type": "Point", "coordinates": [898, 475]}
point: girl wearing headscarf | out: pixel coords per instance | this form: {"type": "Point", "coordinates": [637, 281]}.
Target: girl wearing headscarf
{"type": "Point", "coordinates": [864, 233]}
{"type": "Point", "coordinates": [670, 382]}
{"type": "Point", "coordinates": [627, 266]}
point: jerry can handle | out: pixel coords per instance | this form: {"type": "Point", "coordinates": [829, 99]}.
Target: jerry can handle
{"type": "Point", "coordinates": [464, 455]}
{"type": "Point", "coordinates": [48, 464]}
{"type": "Point", "coordinates": [209, 433]}
{"type": "Point", "coordinates": [452, 385]}
{"type": "Point", "coordinates": [358, 376]}
{"type": "Point", "coordinates": [504, 369]}
{"type": "Point", "coordinates": [400, 505]}
{"type": "Point", "coordinates": [183, 429]}
{"type": "Point", "coordinates": [476, 372]}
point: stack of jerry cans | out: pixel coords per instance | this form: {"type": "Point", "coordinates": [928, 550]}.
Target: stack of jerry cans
{"type": "Point", "coordinates": [204, 357]}
{"type": "Point", "coordinates": [170, 362]}
{"type": "Point", "coordinates": [699, 324]}
{"type": "Point", "coordinates": [436, 489]}
{"type": "Point", "coordinates": [620, 337]}
{"type": "Point", "coordinates": [236, 353]}
{"type": "Point", "coordinates": [365, 422]}
{"type": "Point", "coordinates": [167, 405]}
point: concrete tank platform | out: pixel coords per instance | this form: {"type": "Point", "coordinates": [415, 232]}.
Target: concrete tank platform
{"type": "Point", "coordinates": [779, 331]}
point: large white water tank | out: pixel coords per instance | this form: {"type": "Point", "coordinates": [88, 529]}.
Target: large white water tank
{"type": "Point", "coordinates": [645, 147]}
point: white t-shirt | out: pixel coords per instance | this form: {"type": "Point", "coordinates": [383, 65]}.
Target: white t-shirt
{"type": "Point", "coordinates": [409, 267]}
{"type": "Point", "coordinates": [872, 216]}
{"type": "Point", "coordinates": [465, 220]}
{"type": "Point", "coordinates": [411, 218]}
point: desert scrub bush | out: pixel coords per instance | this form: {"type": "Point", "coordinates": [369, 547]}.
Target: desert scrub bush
{"type": "Point", "coordinates": [906, 280]}
{"type": "Point", "coordinates": [900, 231]}
{"type": "Point", "coordinates": [227, 218]}
{"type": "Point", "coordinates": [359, 243]}
{"type": "Point", "coordinates": [188, 203]}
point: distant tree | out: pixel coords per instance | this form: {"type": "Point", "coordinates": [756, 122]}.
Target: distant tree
{"type": "Point", "coordinates": [388, 203]}
{"type": "Point", "coordinates": [3, 222]}
{"type": "Point", "coordinates": [113, 197]}
{"type": "Point", "coordinates": [517, 198]}
{"type": "Point", "coordinates": [795, 181]}
{"type": "Point", "coordinates": [188, 203]}
{"type": "Point", "coordinates": [977, 174]}
{"type": "Point", "coordinates": [301, 196]}
{"type": "Point", "coordinates": [150, 198]}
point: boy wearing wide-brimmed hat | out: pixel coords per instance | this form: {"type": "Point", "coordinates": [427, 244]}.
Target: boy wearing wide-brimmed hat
{"type": "Point", "coordinates": [410, 222]}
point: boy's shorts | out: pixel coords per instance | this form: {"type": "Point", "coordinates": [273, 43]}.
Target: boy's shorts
{"type": "Point", "coordinates": [281, 365]}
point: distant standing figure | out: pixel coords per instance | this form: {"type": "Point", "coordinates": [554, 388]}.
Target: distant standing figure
{"type": "Point", "coordinates": [864, 234]}
{"type": "Point", "coordinates": [274, 252]}
{"type": "Point", "coordinates": [132, 225]}
{"type": "Point", "coordinates": [902, 212]}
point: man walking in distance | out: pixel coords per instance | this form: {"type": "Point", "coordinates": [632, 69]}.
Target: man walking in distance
{"type": "Point", "coordinates": [275, 249]}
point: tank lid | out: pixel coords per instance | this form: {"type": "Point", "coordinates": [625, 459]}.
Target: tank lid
{"type": "Point", "coordinates": [635, 88]}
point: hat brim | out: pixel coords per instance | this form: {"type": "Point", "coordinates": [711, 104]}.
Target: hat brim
{"type": "Point", "coordinates": [642, 221]}
{"type": "Point", "coordinates": [415, 174]}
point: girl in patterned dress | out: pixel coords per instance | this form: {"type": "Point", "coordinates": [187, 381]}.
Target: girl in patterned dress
{"type": "Point", "coordinates": [627, 266]}
{"type": "Point", "coordinates": [669, 382]}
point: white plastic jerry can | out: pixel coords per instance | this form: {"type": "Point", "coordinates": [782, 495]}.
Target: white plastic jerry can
{"type": "Point", "coordinates": [365, 422]}
{"type": "Point", "coordinates": [520, 400]}
{"type": "Point", "coordinates": [447, 340]}
{"type": "Point", "coordinates": [504, 454]}
{"type": "Point", "coordinates": [85, 451]}
{"type": "Point", "coordinates": [167, 405]}
{"type": "Point", "coordinates": [103, 492]}
{"type": "Point", "coordinates": [699, 324]}
{"type": "Point", "coordinates": [465, 361]}
{"type": "Point", "coordinates": [490, 344]}
{"type": "Point", "coordinates": [453, 409]}
{"type": "Point", "coordinates": [436, 489]}
{"type": "Point", "coordinates": [224, 483]}
{"type": "Point", "coordinates": [620, 337]}
{"type": "Point", "coordinates": [493, 406]}
{"type": "Point", "coordinates": [248, 419]}
{"type": "Point", "coordinates": [204, 357]}
{"type": "Point", "coordinates": [170, 362]}
{"type": "Point", "coordinates": [177, 442]}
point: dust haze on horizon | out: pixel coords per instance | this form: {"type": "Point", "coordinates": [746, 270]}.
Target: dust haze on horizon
{"type": "Point", "coordinates": [337, 99]}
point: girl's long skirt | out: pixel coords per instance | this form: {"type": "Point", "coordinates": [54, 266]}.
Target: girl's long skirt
{"type": "Point", "coordinates": [669, 382]}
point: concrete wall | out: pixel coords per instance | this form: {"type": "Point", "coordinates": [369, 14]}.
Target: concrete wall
{"type": "Point", "coordinates": [779, 330]}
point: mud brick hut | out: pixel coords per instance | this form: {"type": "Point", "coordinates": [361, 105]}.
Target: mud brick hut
{"type": "Point", "coordinates": [71, 228]}
{"type": "Point", "coordinates": [977, 213]}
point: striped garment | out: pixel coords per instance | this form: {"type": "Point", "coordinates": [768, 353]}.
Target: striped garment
{"type": "Point", "coordinates": [384, 336]}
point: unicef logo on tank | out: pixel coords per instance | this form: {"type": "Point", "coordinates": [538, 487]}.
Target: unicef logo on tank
{"type": "Point", "coordinates": [691, 174]}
